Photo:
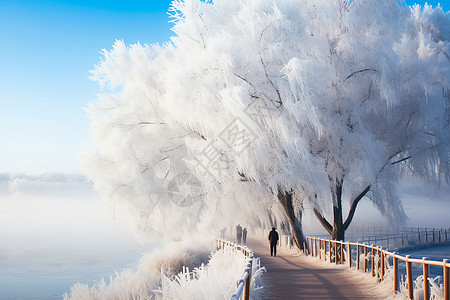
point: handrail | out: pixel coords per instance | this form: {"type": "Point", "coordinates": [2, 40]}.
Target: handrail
{"type": "Point", "coordinates": [418, 235]}
{"type": "Point", "coordinates": [373, 230]}
{"type": "Point", "coordinates": [243, 284]}
{"type": "Point", "coordinates": [318, 246]}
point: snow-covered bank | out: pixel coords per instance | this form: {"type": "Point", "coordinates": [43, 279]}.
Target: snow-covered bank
{"type": "Point", "coordinates": [215, 280]}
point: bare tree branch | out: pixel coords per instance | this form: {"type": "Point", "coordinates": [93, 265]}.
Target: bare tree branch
{"type": "Point", "coordinates": [360, 71]}
{"type": "Point", "coordinates": [280, 102]}
{"type": "Point", "coordinates": [262, 32]}
{"type": "Point", "coordinates": [399, 161]}
{"type": "Point", "coordinates": [409, 119]}
{"type": "Point", "coordinates": [323, 221]}
{"type": "Point", "coordinates": [244, 79]}
{"type": "Point", "coordinates": [355, 202]}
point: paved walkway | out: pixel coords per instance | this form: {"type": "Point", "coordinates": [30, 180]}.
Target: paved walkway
{"type": "Point", "coordinates": [292, 275]}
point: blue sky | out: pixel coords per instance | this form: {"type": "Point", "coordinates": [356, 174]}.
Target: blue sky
{"type": "Point", "coordinates": [46, 51]}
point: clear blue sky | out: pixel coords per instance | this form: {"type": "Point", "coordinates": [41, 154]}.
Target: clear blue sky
{"type": "Point", "coordinates": [47, 48]}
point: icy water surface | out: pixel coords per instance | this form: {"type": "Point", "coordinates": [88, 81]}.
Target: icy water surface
{"type": "Point", "coordinates": [39, 275]}
{"type": "Point", "coordinates": [47, 244]}
{"type": "Point", "coordinates": [437, 253]}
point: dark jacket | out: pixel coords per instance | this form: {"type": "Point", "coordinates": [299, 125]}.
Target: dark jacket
{"type": "Point", "coordinates": [273, 237]}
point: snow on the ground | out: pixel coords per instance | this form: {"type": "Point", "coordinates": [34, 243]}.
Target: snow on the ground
{"type": "Point", "coordinates": [216, 280]}
{"type": "Point", "coordinates": [372, 286]}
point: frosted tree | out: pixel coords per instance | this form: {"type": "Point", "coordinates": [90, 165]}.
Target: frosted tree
{"type": "Point", "coordinates": [257, 106]}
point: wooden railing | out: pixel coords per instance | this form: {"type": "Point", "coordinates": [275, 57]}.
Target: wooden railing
{"type": "Point", "coordinates": [243, 284]}
{"type": "Point", "coordinates": [383, 236]}
{"type": "Point", "coordinates": [410, 236]}
{"type": "Point", "coordinates": [355, 230]}
{"type": "Point", "coordinates": [333, 251]}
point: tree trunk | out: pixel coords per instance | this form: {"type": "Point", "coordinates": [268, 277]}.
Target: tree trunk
{"type": "Point", "coordinates": [285, 199]}
{"type": "Point", "coordinates": [337, 231]}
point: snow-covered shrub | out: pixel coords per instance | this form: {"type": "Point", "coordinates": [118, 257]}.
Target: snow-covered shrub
{"type": "Point", "coordinates": [216, 280]}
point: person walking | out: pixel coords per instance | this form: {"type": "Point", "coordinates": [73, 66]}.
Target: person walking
{"type": "Point", "coordinates": [238, 233]}
{"type": "Point", "coordinates": [244, 236]}
{"type": "Point", "coordinates": [273, 239]}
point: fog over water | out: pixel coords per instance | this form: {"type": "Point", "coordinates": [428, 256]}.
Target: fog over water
{"type": "Point", "coordinates": [55, 232]}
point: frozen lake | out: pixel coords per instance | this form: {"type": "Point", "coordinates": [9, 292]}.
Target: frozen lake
{"type": "Point", "coordinates": [48, 243]}
{"type": "Point", "coordinates": [49, 273]}
{"type": "Point", "coordinates": [437, 253]}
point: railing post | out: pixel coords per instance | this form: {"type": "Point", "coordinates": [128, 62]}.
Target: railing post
{"type": "Point", "coordinates": [409, 276]}
{"type": "Point", "coordinates": [418, 232]}
{"type": "Point", "coordinates": [342, 252]}
{"type": "Point", "coordinates": [320, 249]}
{"type": "Point", "coordinates": [329, 246]}
{"type": "Point", "coordinates": [395, 264]}
{"type": "Point", "coordinates": [378, 264]}
{"type": "Point", "coordinates": [373, 261]}
{"type": "Point", "coordinates": [325, 252]}
{"type": "Point", "coordinates": [335, 252]}
{"type": "Point", "coordinates": [365, 258]}
{"type": "Point", "coordinates": [383, 264]}
{"type": "Point", "coordinates": [357, 256]}
{"type": "Point", "coordinates": [349, 250]}
{"type": "Point", "coordinates": [446, 281]}
{"type": "Point", "coordinates": [310, 248]}
{"type": "Point", "coordinates": [246, 291]}
{"type": "Point", "coordinates": [426, 283]}
{"type": "Point", "coordinates": [324, 249]}
{"type": "Point", "coordinates": [315, 246]}
{"type": "Point", "coordinates": [313, 250]}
